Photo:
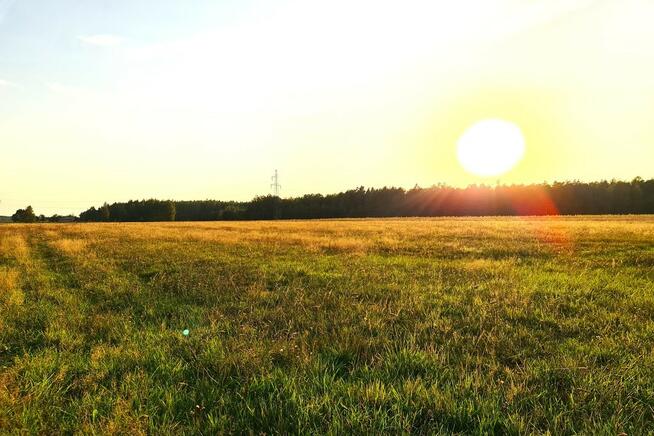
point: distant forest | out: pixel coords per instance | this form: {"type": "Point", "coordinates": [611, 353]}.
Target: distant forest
{"type": "Point", "coordinates": [568, 198]}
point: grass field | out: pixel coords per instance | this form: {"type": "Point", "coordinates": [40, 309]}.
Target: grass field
{"type": "Point", "coordinates": [485, 325]}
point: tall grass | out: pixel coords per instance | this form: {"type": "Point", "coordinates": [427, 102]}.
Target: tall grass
{"type": "Point", "coordinates": [482, 325]}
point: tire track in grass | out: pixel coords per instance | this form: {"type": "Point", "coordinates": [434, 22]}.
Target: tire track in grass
{"type": "Point", "coordinates": [35, 375]}
{"type": "Point", "coordinates": [87, 343]}
{"type": "Point", "coordinates": [159, 373]}
{"type": "Point", "coordinates": [25, 323]}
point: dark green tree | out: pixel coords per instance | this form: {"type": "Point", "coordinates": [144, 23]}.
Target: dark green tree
{"type": "Point", "coordinates": [171, 211]}
{"type": "Point", "coordinates": [104, 212]}
{"type": "Point", "coordinates": [26, 215]}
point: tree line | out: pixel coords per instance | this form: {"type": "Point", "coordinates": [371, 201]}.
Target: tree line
{"type": "Point", "coordinates": [27, 215]}
{"type": "Point", "coordinates": [564, 198]}
{"type": "Point", "coordinates": [145, 210]}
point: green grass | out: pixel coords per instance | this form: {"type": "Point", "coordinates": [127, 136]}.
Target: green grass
{"type": "Point", "coordinates": [471, 326]}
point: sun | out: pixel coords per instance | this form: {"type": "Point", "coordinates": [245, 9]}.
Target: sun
{"type": "Point", "coordinates": [490, 147]}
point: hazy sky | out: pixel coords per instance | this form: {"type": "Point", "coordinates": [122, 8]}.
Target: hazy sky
{"type": "Point", "coordinates": [126, 99]}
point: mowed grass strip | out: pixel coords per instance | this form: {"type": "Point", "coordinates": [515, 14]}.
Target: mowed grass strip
{"type": "Point", "coordinates": [502, 325]}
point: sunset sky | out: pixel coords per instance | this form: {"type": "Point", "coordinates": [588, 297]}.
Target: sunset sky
{"type": "Point", "coordinates": [125, 99]}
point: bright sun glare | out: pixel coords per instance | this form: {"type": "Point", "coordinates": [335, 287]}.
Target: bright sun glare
{"type": "Point", "coordinates": [490, 147]}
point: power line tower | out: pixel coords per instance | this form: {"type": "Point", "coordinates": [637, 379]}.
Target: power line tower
{"type": "Point", "coordinates": [276, 187]}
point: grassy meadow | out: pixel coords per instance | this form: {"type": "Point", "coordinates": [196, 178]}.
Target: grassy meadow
{"type": "Point", "coordinates": [484, 325]}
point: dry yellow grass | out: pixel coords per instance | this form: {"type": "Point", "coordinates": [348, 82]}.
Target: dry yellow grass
{"type": "Point", "coordinates": [10, 293]}
{"type": "Point", "coordinates": [359, 236]}
{"type": "Point", "coordinates": [14, 246]}
{"type": "Point", "coordinates": [70, 246]}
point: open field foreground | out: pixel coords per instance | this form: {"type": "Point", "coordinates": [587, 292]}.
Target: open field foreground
{"type": "Point", "coordinates": [507, 325]}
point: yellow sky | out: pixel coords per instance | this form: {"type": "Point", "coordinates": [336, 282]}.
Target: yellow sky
{"type": "Point", "coordinates": [334, 94]}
